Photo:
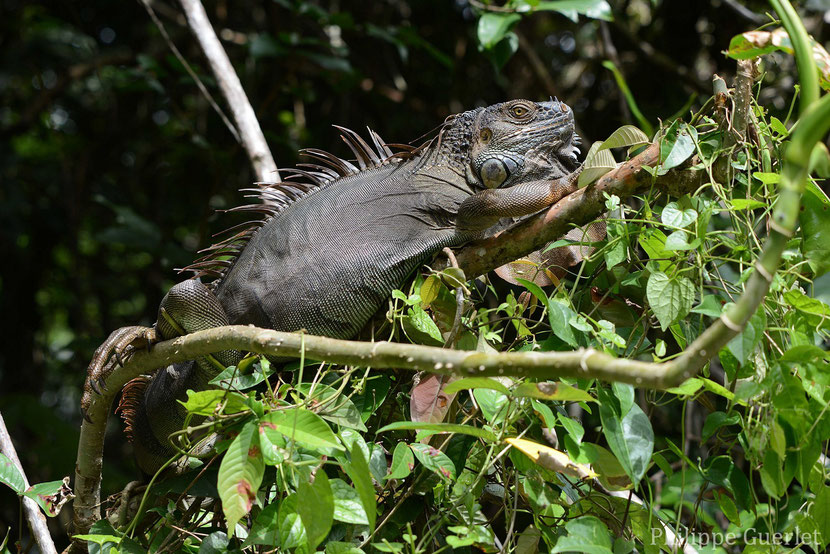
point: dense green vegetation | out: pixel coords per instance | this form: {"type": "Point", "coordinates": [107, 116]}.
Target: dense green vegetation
{"type": "Point", "coordinates": [113, 163]}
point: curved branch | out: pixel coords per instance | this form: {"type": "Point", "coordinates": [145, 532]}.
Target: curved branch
{"type": "Point", "coordinates": [578, 208]}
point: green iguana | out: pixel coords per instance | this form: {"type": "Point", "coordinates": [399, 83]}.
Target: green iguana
{"type": "Point", "coordinates": [338, 237]}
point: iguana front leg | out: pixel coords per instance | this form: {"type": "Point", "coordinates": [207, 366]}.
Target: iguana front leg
{"type": "Point", "coordinates": [485, 208]}
{"type": "Point", "coordinates": [188, 307]}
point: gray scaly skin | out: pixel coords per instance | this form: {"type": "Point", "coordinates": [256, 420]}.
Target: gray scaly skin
{"type": "Point", "coordinates": [329, 253]}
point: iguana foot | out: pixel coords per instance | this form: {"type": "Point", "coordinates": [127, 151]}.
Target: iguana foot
{"type": "Point", "coordinates": [114, 352]}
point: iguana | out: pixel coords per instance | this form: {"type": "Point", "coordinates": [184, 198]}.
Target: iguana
{"type": "Point", "coordinates": [338, 237]}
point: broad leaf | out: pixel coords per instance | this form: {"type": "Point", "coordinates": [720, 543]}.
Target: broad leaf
{"type": "Point", "coordinates": [627, 135]}
{"type": "Point", "coordinates": [240, 475]}
{"type": "Point", "coordinates": [358, 470]}
{"type": "Point", "coordinates": [302, 426]}
{"type": "Point", "coordinates": [403, 461]}
{"type": "Point", "coordinates": [670, 297]}
{"type": "Point", "coordinates": [630, 437]}
{"type": "Point", "coordinates": [586, 534]}
{"type": "Point", "coordinates": [434, 460]}
{"type": "Point", "coordinates": [10, 475]}
{"type": "Point", "coordinates": [316, 508]}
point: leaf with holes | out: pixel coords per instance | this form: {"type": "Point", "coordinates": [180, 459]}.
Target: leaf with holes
{"type": "Point", "coordinates": [434, 460]}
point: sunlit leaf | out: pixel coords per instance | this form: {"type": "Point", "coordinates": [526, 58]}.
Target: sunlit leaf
{"type": "Point", "coordinates": [551, 459]}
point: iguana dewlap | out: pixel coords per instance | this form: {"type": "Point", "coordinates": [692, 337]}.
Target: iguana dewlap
{"type": "Point", "coordinates": [338, 237]}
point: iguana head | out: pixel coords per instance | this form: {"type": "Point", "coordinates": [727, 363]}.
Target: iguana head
{"type": "Point", "coordinates": [518, 141]}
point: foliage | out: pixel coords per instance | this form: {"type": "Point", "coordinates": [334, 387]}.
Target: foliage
{"type": "Point", "coordinates": [737, 449]}
{"type": "Point", "coordinates": [331, 459]}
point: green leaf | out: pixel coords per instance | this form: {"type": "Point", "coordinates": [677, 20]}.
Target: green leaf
{"type": "Point", "coordinates": [492, 27]}
{"type": "Point", "coordinates": [709, 305]}
{"type": "Point", "coordinates": [745, 343]}
{"type": "Point", "coordinates": [595, 9]}
{"type": "Point", "coordinates": [403, 462]}
{"type": "Point", "coordinates": [746, 204]}
{"type": "Point", "coordinates": [215, 543]}
{"type": "Point", "coordinates": [454, 277]}
{"type": "Point", "coordinates": [492, 404]}
{"type": "Point", "coordinates": [597, 163]}
{"type": "Point", "coordinates": [358, 471]}
{"type": "Point", "coordinates": [421, 327]}
{"type": "Point", "coordinates": [441, 428]}
{"type": "Point", "coordinates": [816, 311]}
{"type": "Point", "coordinates": [670, 297]}
{"type": "Point", "coordinates": [815, 224]}
{"type": "Point", "coordinates": [717, 420]}
{"type": "Point", "coordinates": [302, 426]}
{"type": "Point", "coordinates": [335, 547]}
{"type": "Point", "coordinates": [375, 389]}
{"type": "Point", "coordinates": [727, 506]}
{"type": "Point", "coordinates": [560, 317]}
{"type": "Point", "coordinates": [347, 505]}
{"type": "Point", "coordinates": [687, 388]}
{"type": "Point", "coordinates": [316, 508]}
{"type": "Point", "coordinates": [430, 289]}
{"type": "Point", "coordinates": [772, 477]}
{"type": "Point", "coordinates": [745, 47]}
{"type": "Point", "coordinates": [206, 402]}
{"type": "Point", "coordinates": [265, 527]}
{"type": "Point", "coordinates": [675, 216]}
{"type": "Point", "coordinates": [475, 383]}
{"type": "Point", "coordinates": [551, 391]}
{"type": "Point", "coordinates": [333, 406]}
{"type": "Point", "coordinates": [586, 534]}
{"type": "Point", "coordinates": [240, 475]}
{"type": "Point", "coordinates": [10, 475]}
{"type": "Point", "coordinates": [535, 290]}
{"type": "Point", "coordinates": [722, 471]}
{"type": "Point", "coordinates": [677, 145]}
{"type": "Point", "coordinates": [677, 241]}
{"type": "Point", "coordinates": [627, 135]}
{"type": "Point", "coordinates": [434, 460]}
{"type": "Point", "coordinates": [291, 531]}
{"type": "Point", "coordinates": [231, 378]}
{"type": "Point", "coordinates": [820, 511]}
{"type": "Point", "coordinates": [631, 438]}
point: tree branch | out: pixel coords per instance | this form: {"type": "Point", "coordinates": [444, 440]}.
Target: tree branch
{"type": "Point", "coordinates": [34, 517]}
{"type": "Point", "coordinates": [578, 208]}
{"type": "Point", "coordinates": [243, 114]}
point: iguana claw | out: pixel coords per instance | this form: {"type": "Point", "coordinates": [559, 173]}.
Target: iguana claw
{"type": "Point", "coordinates": [114, 352]}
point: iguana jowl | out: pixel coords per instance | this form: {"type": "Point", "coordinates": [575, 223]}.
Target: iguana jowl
{"type": "Point", "coordinates": [337, 238]}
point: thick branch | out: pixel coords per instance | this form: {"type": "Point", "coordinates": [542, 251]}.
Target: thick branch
{"type": "Point", "coordinates": [243, 114]}
{"type": "Point", "coordinates": [34, 517]}
{"type": "Point", "coordinates": [578, 208]}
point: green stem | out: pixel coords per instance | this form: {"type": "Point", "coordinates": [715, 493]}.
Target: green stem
{"type": "Point", "coordinates": [807, 70]}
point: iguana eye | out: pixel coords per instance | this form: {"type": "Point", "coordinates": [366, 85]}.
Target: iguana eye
{"type": "Point", "coordinates": [519, 111]}
{"type": "Point", "coordinates": [493, 173]}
